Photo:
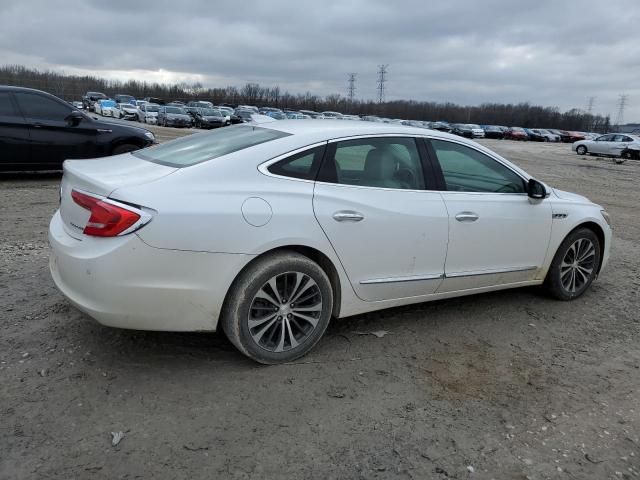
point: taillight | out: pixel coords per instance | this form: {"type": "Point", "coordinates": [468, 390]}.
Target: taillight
{"type": "Point", "coordinates": [107, 220]}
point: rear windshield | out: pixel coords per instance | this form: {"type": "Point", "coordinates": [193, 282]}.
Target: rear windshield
{"type": "Point", "coordinates": [201, 147]}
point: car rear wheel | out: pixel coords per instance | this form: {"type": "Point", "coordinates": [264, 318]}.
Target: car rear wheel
{"type": "Point", "coordinates": [575, 265]}
{"type": "Point", "coordinates": [581, 150]}
{"type": "Point", "coordinates": [278, 309]}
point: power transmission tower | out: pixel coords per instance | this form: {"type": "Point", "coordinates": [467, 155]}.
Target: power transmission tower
{"type": "Point", "coordinates": [382, 79]}
{"type": "Point", "coordinates": [590, 105]}
{"type": "Point", "coordinates": [622, 103]}
{"type": "Point", "coordinates": [351, 89]}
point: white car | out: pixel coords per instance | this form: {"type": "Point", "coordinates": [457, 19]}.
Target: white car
{"type": "Point", "coordinates": [611, 144]}
{"type": "Point", "coordinates": [125, 111]}
{"type": "Point", "coordinates": [105, 108]}
{"type": "Point", "coordinates": [148, 113]}
{"type": "Point", "coordinates": [267, 231]}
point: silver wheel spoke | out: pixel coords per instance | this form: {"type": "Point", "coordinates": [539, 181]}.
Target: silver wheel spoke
{"type": "Point", "coordinates": [589, 253]}
{"type": "Point", "coordinates": [280, 320]}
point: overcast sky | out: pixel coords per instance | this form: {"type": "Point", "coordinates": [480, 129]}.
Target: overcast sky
{"type": "Point", "coordinates": [549, 52]}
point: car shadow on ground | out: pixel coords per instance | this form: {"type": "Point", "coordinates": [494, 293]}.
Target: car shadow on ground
{"type": "Point", "coordinates": [177, 350]}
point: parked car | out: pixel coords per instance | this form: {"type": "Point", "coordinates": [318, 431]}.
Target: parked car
{"type": "Point", "coordinates": [173, 116]}
{"type": "Point", "coordinates": [330, 114]}
{"type": "Point", "coordinates": [244, 114]}
{"type": "Point", "coordinates": [493, 131]}
{"type": "Point", "coordinates": [200, 104]}
{"type": "Point", "coordinates": [294, 115]}
{"type": "Point", "coordinates": [77, 105]}
{"type": "Point", "coordinates": [120, 98]}
{"type": "Point", "coordinates": [90, 98]}
{"type": "Point", "coordinates": [132, 255]}
{"type": "Point", "coordinates": [106, 108]}
{"type": "Point", "coordinates": [570, 137]}
{"type": "Point", "coordinates": [148, 113]}
{"type": "Point", "coordinates": [312, 114]}
{"type": "Point", "coordinates": [275, 114]}
{"type": "Point", "coordinates": [547, 135]}
{"type": "Point", "coordinates": [630, 152]}
{"type": "Point", "coordinates": [209, 118]}
{"type": "Point", "coordinates": [468, 130]}
{"type": "Point", "coordinates": [38, 131]}
{"type": "Point", "coordinates": [611, 144]}
{"type": "Point", "coordinates": [231, 114]}
{"type": "Point", "coordinates": [440, 126]}
{"type": "Point", "coordinates": [248, 107]}
{"type": "Point", "coordinates": [157, 101]}
{"type": "Point", "coordinates": [516, 133]}
{"type": "Point", "coordinates": [371, 118]}
{"type": "Point", "coordinates": [535, 136]}
{"type": "Point", "coordinates": [125, 111]}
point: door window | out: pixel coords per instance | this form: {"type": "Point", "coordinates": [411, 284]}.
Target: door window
{"type": "Point", "coordinates": [468, 170]}
{"type": "Point", "coordinates": [605, 138]}
{"type": "Point", "coordinates": [39, 106]}
{"type": "Point", "coordinates": [6, 106]}
{"type": "Point", "coordinates": [376, 162]}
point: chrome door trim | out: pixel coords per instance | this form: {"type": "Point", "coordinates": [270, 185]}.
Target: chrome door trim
{"type": "Point", "coordinates": [415, 278]}
{"type": "Point", "coordinates": [264, 166]}
{"type": "Point", "coordinates": [489, 272]}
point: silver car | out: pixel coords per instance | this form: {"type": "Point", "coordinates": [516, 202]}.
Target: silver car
{"type": "Point", "coordinates": [611, 144]}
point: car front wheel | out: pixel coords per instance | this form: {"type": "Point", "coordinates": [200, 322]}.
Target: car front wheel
{"type": "Point", "coordinates": [278, 308]}
{"type": "Point", "coordinates": [575, 265]}
{"type": "Point", "coordinates": [581, 150]}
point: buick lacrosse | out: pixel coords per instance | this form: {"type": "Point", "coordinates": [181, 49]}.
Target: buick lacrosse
{"type": "Point", "coordinates": [268, 231]}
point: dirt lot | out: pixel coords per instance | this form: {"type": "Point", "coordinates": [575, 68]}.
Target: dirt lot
{"type": "Point", "coordinates": [509, 385]}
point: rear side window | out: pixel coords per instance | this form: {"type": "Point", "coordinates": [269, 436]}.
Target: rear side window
{"type": "Point", "coordinates": [385, 162]}
{"type": "Point", "coordinates": [201, 147]}
{"type": "Point", "coordinates": [6, 106]}
{"type": "Point", "coordinates": [468, 170]}
{"type": "Point", "coordinates": [302, 165]}
{"type": "Point", "coordinates": [39, 106]}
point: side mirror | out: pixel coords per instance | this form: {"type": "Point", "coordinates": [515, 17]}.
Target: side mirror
{"type": "Point", "coordinates": [74, 118]}
{"type": "Point", "coordinates": [536, 189]}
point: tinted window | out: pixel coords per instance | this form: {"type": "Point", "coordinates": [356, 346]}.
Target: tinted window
{"type": "Point", "coordinates": [201, 147]}
{"type": "Point", "coordinates": [604, 138]}
{"type": "Point", "coordinates": [39, 106]}
{"type": "Point", "coordinates": [6, 106]}
{"type": "Point", "coordinates": [302, 165]}
{"type": "Point", "coordinates": [376, 162]}
{"type": "Point", "coordinates": [467, 170]}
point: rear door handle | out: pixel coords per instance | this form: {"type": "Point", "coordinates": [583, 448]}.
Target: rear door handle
{"type": "Point", "coordinates": [347, 216]}
{"type": "Point", "coordinates": [467, 217]}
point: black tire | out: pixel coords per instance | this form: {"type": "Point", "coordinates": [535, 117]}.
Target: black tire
{"type": "Point", "coordinates": [239, 305]}
{"type": "Point", "coordinates": [554, 282]}
{"type": "Point", "coordinates": [581, 150]}
{"type": "Point", "coordinates": [124, 148]}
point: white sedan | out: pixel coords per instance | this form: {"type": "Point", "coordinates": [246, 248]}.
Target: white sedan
{"type": "Point", "coordinates": [611, 144]}
{"type": "Point", "coordinates": [268, 231]}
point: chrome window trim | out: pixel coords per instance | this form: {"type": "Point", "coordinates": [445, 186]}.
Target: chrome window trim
{"type": "Point", "coordinates": [413, 278]}
{"type": "Point", "coordinates": [264, 166]}
{"type": "Point", "coordinates": [494, 271]}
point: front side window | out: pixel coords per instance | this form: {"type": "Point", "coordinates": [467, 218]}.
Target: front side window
{"type": "Point", "coordinates": [39, 106]}
{"type": "Point", "coordinates": [376, 162]}
{"type": "Point", "coordinates": [468, 170]}
{"type": "Point", "coordinates": [302, 165]}
{"type": "Point", "coordinates": [605, 138]}
{"type": "Point", "coordinates": [201, 147]}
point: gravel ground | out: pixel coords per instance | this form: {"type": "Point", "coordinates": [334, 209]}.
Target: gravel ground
{"type": "Point", "coordinates": [508, 385]}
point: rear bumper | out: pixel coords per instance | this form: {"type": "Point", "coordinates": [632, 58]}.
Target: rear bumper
{"type": "Point", "coordinates": [122, 282]}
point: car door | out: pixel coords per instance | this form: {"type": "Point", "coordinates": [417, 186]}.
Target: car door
{"type": "Point", "coordinates": [383, 216]}
{"type": "Point", "coordinates": [497, 234]}
{"type": "Point", "coordinates": [15, 140]}
{"type": "Point", "coordinates": [601, 145]}
{"type": "Point", "coordinates": [53, 137]}
{"type": "Point", "coordinates": [618, 144]}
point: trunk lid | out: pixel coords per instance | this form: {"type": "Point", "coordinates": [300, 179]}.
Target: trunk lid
{"type": "Point", "coordinates": [100, 177]}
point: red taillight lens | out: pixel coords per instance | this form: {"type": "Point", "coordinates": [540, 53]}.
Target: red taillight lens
{"type": "Point", "coordinates": [106, 220]}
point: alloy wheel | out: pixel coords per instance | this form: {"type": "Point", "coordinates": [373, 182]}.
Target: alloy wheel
{"type": "Point", "coordinates": [285, 312]}
{"type": "Point", "coordinates": [578, 265]}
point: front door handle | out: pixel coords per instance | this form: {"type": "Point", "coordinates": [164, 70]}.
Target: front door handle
{"type": "Point", "coordinates": [467, 217]}
{"type": "Point", "coordinates": [347, 216]}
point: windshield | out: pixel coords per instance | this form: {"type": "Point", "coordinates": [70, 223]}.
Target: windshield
{"type": "Point", "coordinates": [152, 108]}
{"type": "Point", "coordinates": [201, 147]}
{"type": "Point", "coordinates": [473, 125]}
{"type": "Point", "coordinates": [107, 103]}
{"type": "Point", "coordinates": [176, 110]}
{"type": "Point", "coordinates": [210, 112]}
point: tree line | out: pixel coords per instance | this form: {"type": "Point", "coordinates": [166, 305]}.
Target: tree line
{"type": "Point", "coordinates": [73, 87]}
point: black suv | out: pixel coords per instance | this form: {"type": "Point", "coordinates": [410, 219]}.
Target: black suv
{"type": "Point", "coordinates": [90, 98]}
{"type": "Point", "coordinates": [39, 131]}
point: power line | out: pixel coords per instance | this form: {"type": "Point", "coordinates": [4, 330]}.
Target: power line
{"type": "Point", "coordinates": [351, 89]}
{"type": "Point", "coordinates": [590, 103]}
{"type": "Point", "coordinates": [622, 103]}
{"type": "Point", "coordinates": [382, 79]}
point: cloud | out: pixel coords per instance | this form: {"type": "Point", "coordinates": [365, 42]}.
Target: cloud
{"type": "Point", "coordinates": [545, 52]}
